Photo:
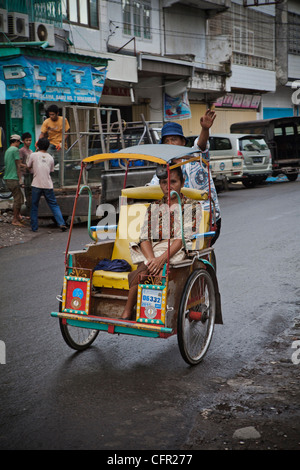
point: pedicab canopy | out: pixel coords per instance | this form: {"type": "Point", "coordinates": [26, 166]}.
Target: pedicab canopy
{"type": "Point", "coordinates": [156, 153]}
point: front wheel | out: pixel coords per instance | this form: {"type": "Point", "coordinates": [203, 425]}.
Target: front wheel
{"type": "Point", "coordinates": [76, 337]}
{"type": "Point", "coordinates": [196, 316]}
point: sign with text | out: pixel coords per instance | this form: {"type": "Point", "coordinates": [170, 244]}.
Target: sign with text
{"type": "Point", "coordinates": [51, 80]}
{"type": "Point", "coordinates": [237, 100]}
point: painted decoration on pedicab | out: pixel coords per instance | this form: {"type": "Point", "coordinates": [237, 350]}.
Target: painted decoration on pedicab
{"type": "Point", "coordinates": [151, 304]}
{"type": "Point", "coordinates": [76, 295]}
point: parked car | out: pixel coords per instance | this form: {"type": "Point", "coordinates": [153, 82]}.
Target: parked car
{"type": "Point", "coordinates": [224, 163]}
{"type": "Point", "coordinates": [251, 149]}
{"type": "Point", "coordinates": [283, 138]}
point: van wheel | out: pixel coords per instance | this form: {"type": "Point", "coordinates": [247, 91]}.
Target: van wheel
{"type": "Point", "coordinates": [249, 183]}
{"type": "Point", "coordinates": [292, 176]}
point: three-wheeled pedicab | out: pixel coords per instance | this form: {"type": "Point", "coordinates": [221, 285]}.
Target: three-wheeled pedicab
{"type": "Point", "coordinates": [183, 299]}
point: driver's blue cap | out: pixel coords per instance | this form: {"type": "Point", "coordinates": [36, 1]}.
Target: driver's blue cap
{"type": "Point", "coordinates": [172, 128]}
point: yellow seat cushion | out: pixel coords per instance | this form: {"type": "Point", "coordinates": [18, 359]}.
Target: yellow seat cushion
{"type": "Point", "coordinates": [154, 192]}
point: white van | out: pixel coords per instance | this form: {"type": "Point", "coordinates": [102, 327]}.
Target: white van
{"type": "Point", "coordinates": [224, 164]}
{"type": "Point", "coordinates": [251, 149]}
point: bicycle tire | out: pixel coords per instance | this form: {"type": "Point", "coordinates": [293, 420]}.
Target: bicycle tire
{"type": "Point", "coordinates": [196, 322]}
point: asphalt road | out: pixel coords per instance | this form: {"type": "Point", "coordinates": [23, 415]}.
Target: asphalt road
{"type": "Point", "coordinates": [135, 393]}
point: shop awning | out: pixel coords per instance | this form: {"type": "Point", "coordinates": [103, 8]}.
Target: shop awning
{"type": "Point", "coordinates": [51, 76]}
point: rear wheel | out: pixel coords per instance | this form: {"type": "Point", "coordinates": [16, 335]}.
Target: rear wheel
{"type": "Point", "coordinates": [249, 183]}
{"type": "Point", "coordinates": [196, 316]}
{"type": "Point", "coordinates": [292, 176]}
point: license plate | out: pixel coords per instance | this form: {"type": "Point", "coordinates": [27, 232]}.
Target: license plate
{"type": "Point", "coordinates": [257, 159]}
{"type": "Point", "coordinates": [151, 298]}
{"type": "Point", "coordinates": [151, 304]}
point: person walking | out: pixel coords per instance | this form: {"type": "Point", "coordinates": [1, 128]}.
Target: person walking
{"type": "Point", "coordinates": [42, 164]}
{"type": "Point", "coordinates": [13, 177]}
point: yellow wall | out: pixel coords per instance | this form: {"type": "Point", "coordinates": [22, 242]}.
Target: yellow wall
{"type": "Point", "coordinates": [226, 117]}
{"type": "Point", "coordinates": [223, 121]}
{"type": "Point", "coordinates": [192, 126]}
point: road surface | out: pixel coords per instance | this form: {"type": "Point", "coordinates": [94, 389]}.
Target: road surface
{"type": "Point", "coordinates": [137, 393]}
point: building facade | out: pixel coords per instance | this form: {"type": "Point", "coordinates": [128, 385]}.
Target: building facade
{"type": "Point", "coordinates": [165, 59]}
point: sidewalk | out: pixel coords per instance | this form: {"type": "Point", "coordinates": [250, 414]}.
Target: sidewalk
{"type": "Point", "coordinates": [258, 409]}
{"type": "Point", "coordinates": [11, 235]}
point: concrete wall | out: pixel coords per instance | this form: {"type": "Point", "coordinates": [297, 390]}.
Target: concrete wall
{"type": "Point", "coordinates": [185, 31]}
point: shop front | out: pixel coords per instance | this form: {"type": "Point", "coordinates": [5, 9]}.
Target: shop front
{"type": "Point", "coordinates": [33, 77]}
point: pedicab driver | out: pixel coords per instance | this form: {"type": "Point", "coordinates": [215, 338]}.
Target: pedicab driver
{"type": "Point", "coordinates": [196, 174]}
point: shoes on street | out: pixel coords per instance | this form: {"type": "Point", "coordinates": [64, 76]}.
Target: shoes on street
{"type": "Point", "coordinates": [63, 228]}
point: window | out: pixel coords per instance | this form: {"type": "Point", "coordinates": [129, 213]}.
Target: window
{"type": "Point", "coordinates": [237, 38]}
{"type": "Point", "coordinates": [219, 143]}
{"type": "Point", "coordinates": [252, 144]}
{"type": "Point", "coordinates": [289, 130]}
{"type": "Point", "coordinates": [294, 33]}
{"type": "Point", "coordinates": [82, 12]}
{"type": "Point", "coordinates": [252, 33]}
{"type": "Point", "coordinates": [278, 131]}
{"type": "Point", "coordinates": [250, 42]}
{"type": "Point", "coordinates": [136, 18]}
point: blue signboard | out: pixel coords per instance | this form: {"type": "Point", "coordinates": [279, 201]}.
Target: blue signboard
{"type": "Point", "coordinates": [51, 80]}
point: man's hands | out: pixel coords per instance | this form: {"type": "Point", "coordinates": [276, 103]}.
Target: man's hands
{"type": "Point", "coordinates": [155, 265]}
{"type": "Point", "coordinates": [207, 120]}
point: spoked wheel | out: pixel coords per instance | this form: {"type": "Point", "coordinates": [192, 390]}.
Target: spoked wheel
{"type": "Point", "coordinates": [76, 337]}
{"type": "Point", "coordinates": [196, 316]}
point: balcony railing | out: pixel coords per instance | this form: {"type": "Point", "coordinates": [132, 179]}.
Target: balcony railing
{"type": "Point", "coordinates": [253, 61]}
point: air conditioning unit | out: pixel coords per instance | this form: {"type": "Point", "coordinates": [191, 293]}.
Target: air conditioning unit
{"type": "Point", "coordinates": [3, 21]}
{"type": "Point", "coordinates": [18, 24]}
{"type": "Point", "coordinates": [42, 32]}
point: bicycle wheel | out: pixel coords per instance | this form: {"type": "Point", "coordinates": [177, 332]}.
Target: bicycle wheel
{"type": "Point", "coordinates": [5, 193]}
{"type": "Point", "coordinates": [196, 316]}
{"type": "Point", "coordinates": [76, 337]}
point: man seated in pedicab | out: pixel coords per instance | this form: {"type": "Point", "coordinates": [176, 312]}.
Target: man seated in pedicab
{"type": "Point", "coordinates": [196, 173]}
{"type": "Point", "coordinates": [162, 222]}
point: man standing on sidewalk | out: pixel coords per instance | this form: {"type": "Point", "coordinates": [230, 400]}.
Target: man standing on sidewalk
{"type": "Point", "coordinates": [13, 177]}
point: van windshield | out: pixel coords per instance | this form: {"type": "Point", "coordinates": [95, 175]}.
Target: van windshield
{"type": "Point", "coordinates": [248, 144]}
